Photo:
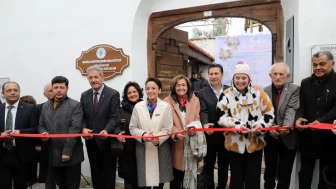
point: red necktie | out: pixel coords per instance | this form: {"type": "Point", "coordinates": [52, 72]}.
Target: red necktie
{"type": "Point", "coordinates": [95, 101]}
{"type": "Point", "coordinates": [277, 100]}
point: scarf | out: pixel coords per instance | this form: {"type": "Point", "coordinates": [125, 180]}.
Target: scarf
{"type": "Point", "coordinates": [183, 103]}
{"type": "Point", "coordinates": [151, 108]}
{"type": "Point", "coordinates": [194, 147]}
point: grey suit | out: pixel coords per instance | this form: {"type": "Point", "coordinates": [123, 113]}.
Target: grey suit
{"type": "Point", "coordinates": [107, 117]}
{"type": "Point", "coordinates": [280, 153]}
{"type": "Point", "coordinates": [288, 104]}
{"type": "Point", "coordinates": [65, 118]}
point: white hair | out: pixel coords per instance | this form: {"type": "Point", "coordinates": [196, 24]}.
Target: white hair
{"type": "Point", "coordinates": [45, 86]}
{"type": "Point", "coordinates": [280, 63]}
{"type": "Point", "coordinates": [96, 68]}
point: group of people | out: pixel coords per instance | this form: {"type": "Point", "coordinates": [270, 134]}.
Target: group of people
{"type": "Point", "coordinates": [166, 147]}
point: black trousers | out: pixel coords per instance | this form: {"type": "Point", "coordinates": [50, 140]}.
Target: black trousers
{"type": "Point", "coordinates": [102, 165]}
{"type": "Point", "coordinates": [245, 170]}
{"type": "Point", "coordinates": [223, 165]}
{"type": "Point", "coordinates": [45, 171]}
{"type": "Point", "coordinates": [279, 162]}
{"type": "Point", "coordinates": [156, 187]}
{"type": "Point", "coordinates": [12, 169]}
{"type": "Point", "coordinates": [177, 182]}
{"type": "Point", "coordinates": [32, 172]}
{"type": "Point", "coordinates": [307, 169]}
{"type": "Point", "coordinates": [67, 177]}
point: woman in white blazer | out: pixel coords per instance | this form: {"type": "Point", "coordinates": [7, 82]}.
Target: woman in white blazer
{"type": "Point", "coordinates": [152, 117]}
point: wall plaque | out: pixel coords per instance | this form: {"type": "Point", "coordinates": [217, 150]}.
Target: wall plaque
{"type": "Point", "coordinates": [112, 60]}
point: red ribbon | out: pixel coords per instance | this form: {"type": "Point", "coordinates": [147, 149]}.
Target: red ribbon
{"type": "Point", "coordinates": [321, 126]}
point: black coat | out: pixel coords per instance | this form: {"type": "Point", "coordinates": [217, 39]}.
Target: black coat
{"type": "Point", "coordinates": [127, 160]}
{"type": "Point", "coordinates": [208, 113]}
{"type": "Point", "coordinates": [26, 121]}
{"type": "Point", "coordinates": [318, 102]}
{"type": "Point", "coordinates": [196, 84]}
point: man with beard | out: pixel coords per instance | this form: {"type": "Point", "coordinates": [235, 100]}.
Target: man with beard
{"type": "Point", "coordinates": [63, 115]}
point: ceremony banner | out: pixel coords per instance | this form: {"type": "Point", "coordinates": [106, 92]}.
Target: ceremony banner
{"type": "Point", "coordinates": [254, 49]}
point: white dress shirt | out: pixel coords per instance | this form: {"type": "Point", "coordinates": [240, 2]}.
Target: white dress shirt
{"type": "Point", "coordinates": [13, 110]}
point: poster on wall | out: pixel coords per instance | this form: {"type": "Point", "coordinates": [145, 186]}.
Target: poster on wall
{"type": "Point", "coordinates": [331, 48]}
{"type": "Point", "coordinates": [254, 49]}
{"type": "Point", "coordinates": [2, 81]}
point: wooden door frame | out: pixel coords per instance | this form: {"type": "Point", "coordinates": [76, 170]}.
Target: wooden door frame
{"type": "Point", "coordinates": [267, 12]}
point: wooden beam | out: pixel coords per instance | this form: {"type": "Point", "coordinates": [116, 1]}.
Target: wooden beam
{"type": "Point", "coordinates": [212, 7]}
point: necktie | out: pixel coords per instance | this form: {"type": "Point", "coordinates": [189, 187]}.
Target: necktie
{"type": "Point", "coordinates": [9, 126]}
{"type": "Point", "coordinates": [277, 100]}
{"type": "Point", "coordinates": [95, 101]}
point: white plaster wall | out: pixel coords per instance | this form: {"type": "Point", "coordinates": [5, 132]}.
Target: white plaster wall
{"type": "Point", "coordinates": [162, 5]}
{"type": "Point", "coordinates": [291, 8]}
{"type": "Point", "coordinates": [314, 26]}
{"type": "Point", "coordinates": [41, 39]}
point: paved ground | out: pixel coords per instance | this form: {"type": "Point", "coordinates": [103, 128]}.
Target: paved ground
{"type": "Point", "coordinates": [120, 184]}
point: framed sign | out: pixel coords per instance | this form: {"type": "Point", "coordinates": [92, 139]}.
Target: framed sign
{"type": "Point", "coordinates": [2, 81]}
{"type": "Point", "coordinates": [331, 48]}
{"type": "Point", "coordinates": [112, 60]}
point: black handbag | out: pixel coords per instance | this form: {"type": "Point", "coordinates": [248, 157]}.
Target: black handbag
{"type": "Point", "coordinates": [116, 146]}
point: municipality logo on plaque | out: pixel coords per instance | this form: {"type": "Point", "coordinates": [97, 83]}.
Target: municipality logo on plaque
{"type": "Point", "coordinates": [101, 52]}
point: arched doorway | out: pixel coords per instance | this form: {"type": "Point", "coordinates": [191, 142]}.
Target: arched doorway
{"type": "Point", "coordinates": [267, 12]}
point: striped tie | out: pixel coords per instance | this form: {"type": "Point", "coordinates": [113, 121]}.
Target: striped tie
{"type": "Point", "coordinates": [9, 126]}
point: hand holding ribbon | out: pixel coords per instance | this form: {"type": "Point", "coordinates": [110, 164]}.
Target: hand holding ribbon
{"type": "Point", "coordinates": [121, 139]}
{"type": "Point", "coordinates": [334, 128]}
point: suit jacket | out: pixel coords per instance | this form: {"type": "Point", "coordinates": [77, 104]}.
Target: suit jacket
{"type": "Point", "coordinates": [107, 116]}
{"type": "Point", "coordinates": [26, 122]}
{"type": "Point", "coordinates": [289, 102]}
{"type": "Point", "coordinates": [318, 102]}
{"type": "Point", "coordinates": [208, 113]}
{"type": "Point", "coordinates": [65, 119]}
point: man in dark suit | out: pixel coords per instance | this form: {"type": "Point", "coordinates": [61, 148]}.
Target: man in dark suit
{"type": "Point", "coordinates": [101, 115]}
{"type": "Point", "coordinates": [281, 145]}
{"type": "Point", "coordinates": [15, 153]}
{"type": "Point", "coordinates": [317, 105]}
{"type": "Point", "coordinates": [208, 97]}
